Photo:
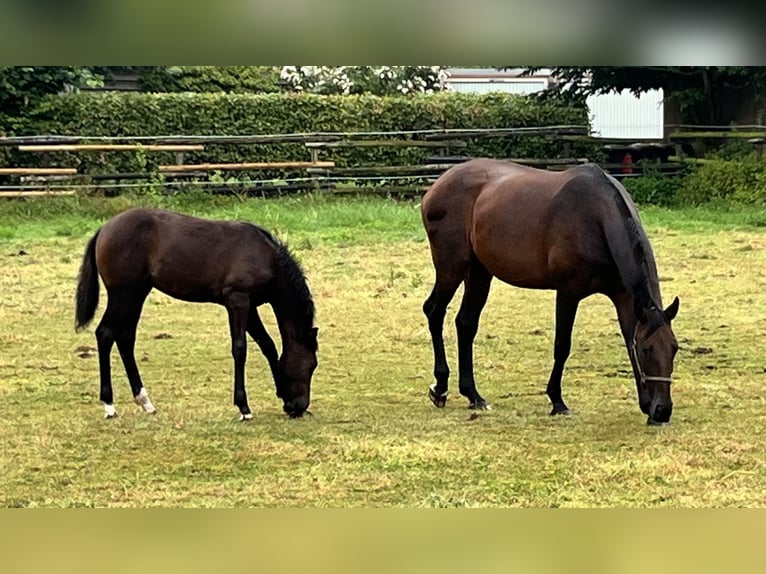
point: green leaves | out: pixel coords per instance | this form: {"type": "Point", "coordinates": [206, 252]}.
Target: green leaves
{"type": "Point", "coordinates": [740, 180]}
{"type": "Point", "coordinates": [145, 114]}
{"type": "Point", "coordinates": [22, 88]}
{"type": "Point", "coordinates": [707, 95]}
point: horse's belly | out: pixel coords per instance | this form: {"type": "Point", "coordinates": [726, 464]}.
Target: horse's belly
{"type": "Point", "coordinates": [519, 269]}
{"type": "Point", "coordinates": [187, 291]}
{"type": "Point", "coordinates": [513, 251]}
{"type": "Point", "coordinates": [188, 281]}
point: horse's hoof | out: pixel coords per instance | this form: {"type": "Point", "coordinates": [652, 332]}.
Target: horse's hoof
{"type": "Point", "coordinates": [565, 412]}
{"type": "Point", "coordinates": [480, 406]}
{"type": "Point", "coordinates": [652, 423]}
{"type": "Point", "coordinates": [245, 417]}
{"type": "Point", "coordinates": [108, 416]}
{"type": "Point", "coordinates": [439, 400]}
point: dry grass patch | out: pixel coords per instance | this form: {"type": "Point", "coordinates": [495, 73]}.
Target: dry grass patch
{"type": "Point", "coordinates": [374, 438]}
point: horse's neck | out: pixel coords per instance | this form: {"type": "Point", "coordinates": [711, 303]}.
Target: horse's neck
{"type": "Point", "coordinates": [640, 270]}
{"type": "Point", "coordinates": [289, 319]}
{"type": "Point", "coordinates": [628, 320]}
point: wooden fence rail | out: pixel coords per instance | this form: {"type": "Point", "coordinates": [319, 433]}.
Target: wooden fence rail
{"type": "Point", "coordinates": [245, 166]}
{"type": "Point", "coordinates": [298, 137]}
{"type": "Point", "coordinates": [110, 147]}
{"type": "Point", "coordinates": [38, 171]}
{"type": "Point", "coordinates": [319, 172]}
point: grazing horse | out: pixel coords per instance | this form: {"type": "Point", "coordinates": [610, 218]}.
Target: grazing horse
{"type": "Point", "coordinates": [575, 231]}
{"type": "Point", "coordinates": [235, 264]}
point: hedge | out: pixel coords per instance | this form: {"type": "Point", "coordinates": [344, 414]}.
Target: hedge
{"type": "Point", "coordinates": [230, 79]}
{"type": "Point", "coordinates": [143, 114]}
{"type": "Point", "coordinates": [741, 180]}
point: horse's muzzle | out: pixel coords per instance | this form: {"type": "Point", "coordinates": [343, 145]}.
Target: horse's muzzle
{"type": "Point", "coordinates": [296, 407]}
{"type": "Point", "coordinates": [660, 415]}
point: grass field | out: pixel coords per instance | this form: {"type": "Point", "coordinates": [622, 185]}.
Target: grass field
{"type": "Point", "coordinates": [375, 439]}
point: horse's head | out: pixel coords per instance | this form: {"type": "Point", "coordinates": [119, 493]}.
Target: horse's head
{"type": "Point", "coordinates": [653, 348]}
{"type": "Point", "coordinates": [296, 367]}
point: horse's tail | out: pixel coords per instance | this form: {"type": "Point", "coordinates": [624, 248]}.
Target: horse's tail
{"type": "Point", "coordinates": [87, 287]}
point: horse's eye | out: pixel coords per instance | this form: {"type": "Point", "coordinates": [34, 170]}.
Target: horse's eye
{"type": "Point", "coordinates": [649, 349]}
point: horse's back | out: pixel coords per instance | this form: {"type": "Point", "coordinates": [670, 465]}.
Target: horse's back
{"type": "Point", "coordinates": [184, 256]}
{"type": "Point", "coordinates": [529, 227]}
{"type": "Point", "coordinates": [542, 229]}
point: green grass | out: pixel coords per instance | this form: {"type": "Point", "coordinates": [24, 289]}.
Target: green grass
{"type": "Point", "coordinates": [374, 439]}
{"type": "Point", "coordinates": [307, 218]}
{"type": "Point", "coordinates": [347, 220]}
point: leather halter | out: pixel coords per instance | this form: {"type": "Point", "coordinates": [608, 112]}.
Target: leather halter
{"type": "Point", "coordinates": [643, 377]}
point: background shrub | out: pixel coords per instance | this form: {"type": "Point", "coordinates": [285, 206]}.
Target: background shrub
{"type": "Point", "coordinates": [230, 79]}
{"type": "Point", "coordinates": [653, 187]}
{"type": "Point", "coordinates": [143, 114]}
{"type": "Point", "coordinates": [739, 181]}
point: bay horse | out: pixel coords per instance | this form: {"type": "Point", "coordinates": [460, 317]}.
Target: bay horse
{"type": "Point", "coordinates": [575, 231]}
{"type": "Point", "coordinates": [235, 264]}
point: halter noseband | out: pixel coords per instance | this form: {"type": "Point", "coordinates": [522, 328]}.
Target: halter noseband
{"type": "Point", "coordinates": [643, 377]}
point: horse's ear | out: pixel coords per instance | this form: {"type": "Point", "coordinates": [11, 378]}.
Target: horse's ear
{"type": "Point", "coordinates": [672, 310]}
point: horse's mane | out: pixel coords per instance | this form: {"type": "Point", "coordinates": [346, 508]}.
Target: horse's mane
{"type": "Point", "coordinates": [292, 273]}
{"type": "Point", "coordinates": [642, 280]}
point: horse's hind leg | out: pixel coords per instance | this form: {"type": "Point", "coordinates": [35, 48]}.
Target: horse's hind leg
{"type": "Point", "coordinates": [131, 303]}
{"type": "Point", "coordinates": [451, 255]}
{"type": "Point", "coordinates": [119, 325]}
{"type": "Point", "coordinates": [435, 308]}
{"type": "Point", "coordinates": [105, 341]}
{"type": "Point", "coordinates": [467, 322]}
{"type": "Point", "coordinates": [566, 310]}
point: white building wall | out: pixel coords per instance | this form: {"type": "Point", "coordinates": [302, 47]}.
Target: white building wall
{"type": "Point", "coordinates": [623, 115]}
{"type": "Point", "coordinates": [615, 115]}
{"type": "Point", "coordinates": [507, 86]}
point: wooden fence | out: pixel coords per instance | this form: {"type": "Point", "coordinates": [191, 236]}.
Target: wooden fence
{"type": "Point", "coordinates": [448, 147]}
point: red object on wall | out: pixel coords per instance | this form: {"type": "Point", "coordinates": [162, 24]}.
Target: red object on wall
{"type": "Point", "coordinates": [627, 163]}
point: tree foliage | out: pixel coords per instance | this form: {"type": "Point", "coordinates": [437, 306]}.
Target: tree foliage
{"type": "Point", "coordinates": [201, 79]}
{"type": "Point", "coordinates": [375, 80]}
{"type": "Point", "coordinates": [705, 95]}
{"type": "Point", "coordinates": [22, 88]}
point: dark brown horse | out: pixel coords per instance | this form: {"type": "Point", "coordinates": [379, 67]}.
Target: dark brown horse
{"type": "Point", "coordinates": [575, 231]}
{"type": "Point", "coordinates": [234, 264]}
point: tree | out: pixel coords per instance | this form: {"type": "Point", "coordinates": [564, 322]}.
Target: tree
{"type": "Point", "coordinates": [22, 87]}
{"type": "Point", "coordinates": [706, 95]}
{"type": "Point", "coordinates": [377, 80]}
{"type": "Point", "coordinates": [230, 79]}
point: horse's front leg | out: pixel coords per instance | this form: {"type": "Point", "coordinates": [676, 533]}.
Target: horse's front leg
{"type": "Point", "coordinates": [566, 310]}
{"type": "Point", "coordinates": [259, 334]}
{"type": "Point", "coordinates": [238, 308]}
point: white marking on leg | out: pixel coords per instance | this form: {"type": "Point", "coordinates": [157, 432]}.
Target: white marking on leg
{"type": "Point", "coordinates": [443, 395]}
{"type": "Point", "coordinates": [246, 417]}
{"type": "Point", "coordinates": [142, 398]}
{"type": "Point", "coordinates": [109, 412]}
